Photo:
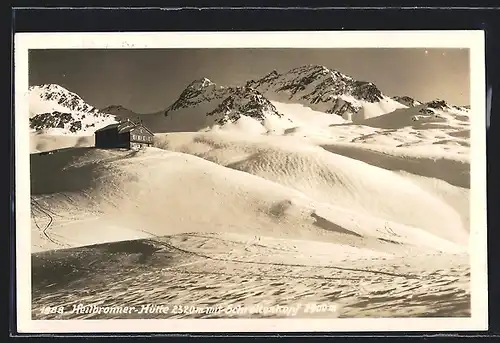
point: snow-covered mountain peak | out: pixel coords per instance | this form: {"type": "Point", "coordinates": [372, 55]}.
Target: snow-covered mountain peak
{"type": "Point", "coordinates": [443, 105]}
{"type": "Point", "coordinates": [52, 97]}
{"type": "Point", "coordinates": [406, 100]}
{"type": "Point", "coordinates": [326, 90]}
{"type": "Point", "coordinates": [53, 107]}
{"type": "Point", "coordinates": [310, 68]}
{"type": "Point", "coordinates": [437, 104]}
{"type": "Point", "coordinates": [201, 83]}
{"type": "Point", "coordinates": [204, 104]}
{"type": "Point", "coordinates": [318, 79]}
{"type": "Point", "coordinates": [430, 107]}
{"type": "Point", "coordinates": [198, 91]}
{"type": "Point", "coordinates": [51, 87]}
{"type": "Point", "coordinates": [120, 112]}
{"type": "Point", "coordinates": [113, 107]}
{"type": "Point", "coordinates": [243, 101]}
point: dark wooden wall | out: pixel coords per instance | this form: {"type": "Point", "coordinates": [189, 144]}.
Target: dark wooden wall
{"type": "Point", "coordinates": [111, 139]}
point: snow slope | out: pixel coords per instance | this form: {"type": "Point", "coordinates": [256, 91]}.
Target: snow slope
{"type": "Point", "coordinates": [96, 196]}
{"type": "Point", "coordinates": [429, 115]}
{"type": "Point", "coordinates": [325, 177]}
{"type": "Point", "coordinates": [450, 167]}
{"type": "Point", "coordinates": [269, 117]}
{"type": "Point", "coordinates": [433, 128]}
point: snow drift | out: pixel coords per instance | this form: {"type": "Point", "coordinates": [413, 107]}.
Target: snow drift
{"type": "Point", "coordinates": [325, 177]}
{"type": "Point", "coordinates": [89, 196]}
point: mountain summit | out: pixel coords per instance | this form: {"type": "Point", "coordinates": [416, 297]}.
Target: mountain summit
{"type": "Point", "coordinates": [326, 90]}
{"type": "Point", "coordinates": [407, 101]}
{"type": "Point", "coordinates": [52, 97]}
{"type": "Point", "coordinates": [198, 91]}
{"type": "Point", "coordinates": [53, 107]}
{"type": "Point", "coordinates": [204, 104]}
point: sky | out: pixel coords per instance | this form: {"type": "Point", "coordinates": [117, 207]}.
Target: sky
{"type": "Point", "coordinates": [149, 80]}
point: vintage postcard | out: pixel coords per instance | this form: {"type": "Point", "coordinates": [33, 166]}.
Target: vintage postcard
{"type": "Point", "coordinates": [250, 182]}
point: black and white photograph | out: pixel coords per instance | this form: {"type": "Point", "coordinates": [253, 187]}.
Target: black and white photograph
{"type": "Point", "coordinates": [329, 179]}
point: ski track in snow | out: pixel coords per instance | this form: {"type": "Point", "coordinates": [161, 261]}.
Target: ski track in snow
{"type": "Point", "coordinates": [166, 271]}
{"type": "Point", "coordinates": [372, 216]}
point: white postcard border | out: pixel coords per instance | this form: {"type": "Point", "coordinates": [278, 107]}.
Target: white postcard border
{"type": "Point", "coordinates": [473, 40]}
